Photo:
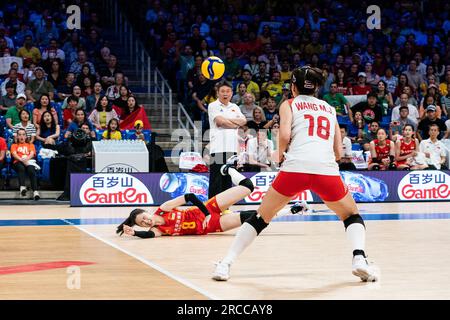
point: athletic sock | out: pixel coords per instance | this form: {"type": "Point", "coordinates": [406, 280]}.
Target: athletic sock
{"type": "Point", "coordinates": [244, 237]}
{"type": "Point", "coordinates": [356, 233]}
{"type": "Point", "coordinates": [235, 175]}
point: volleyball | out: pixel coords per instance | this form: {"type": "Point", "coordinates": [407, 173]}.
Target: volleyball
{"type": "Point", "coordinates": [213, 68]}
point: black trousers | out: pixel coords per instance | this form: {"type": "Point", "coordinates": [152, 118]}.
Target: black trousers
{"type": "Point", "coordinates": [218, 182]}
{"type": "Point", "coordinates": [347, 166]}
{"type": "Point", "coordinates": [24, 171]}
{"type": "Point", "coordinates": [75, 165]}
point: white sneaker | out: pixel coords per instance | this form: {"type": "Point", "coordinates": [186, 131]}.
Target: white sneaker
{"type": "Point", "coordinates": [362, 269]}
{"type": "Point", "coordinates": [225, 167]}
{"type": "Point", "coordinates": [233, 160]}
{"type": "Point", "coordinates": [23, 191]}
{"type": "Point", "coordinates": [36, 195]}
{"type": "Point", "coordinates": [222, 272]}
{"type": "Point", "coordinates": [300, 207]}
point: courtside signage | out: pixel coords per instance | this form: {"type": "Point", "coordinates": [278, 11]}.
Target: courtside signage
{"type": "Point", "coordinates": [117, 189]}
{"type": "Point", "coordinates": [425, 185]}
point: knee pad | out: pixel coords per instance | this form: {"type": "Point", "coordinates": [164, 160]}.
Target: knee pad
{"type": "Point", "coordinates": [356, 218]}
{"type": "Point", "coordinates": [244, 215]}
{"type": "Point", "coordinates": [248, 184]}
{"type": "Point", "coordinates": [257, 222]}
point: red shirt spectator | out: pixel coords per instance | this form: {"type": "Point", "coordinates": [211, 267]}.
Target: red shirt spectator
{"type": "Point", "coordinates": [3, 149]}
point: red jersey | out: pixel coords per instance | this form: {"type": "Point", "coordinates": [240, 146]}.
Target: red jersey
{"type": "Point", "coordinates": [382, 152]}
{"type": "Point", "coordinates": [190, 221]}
{"type": "Point", "coordinates": [407, 148]}
{"type": "Point", "coordinates": [182, 222]}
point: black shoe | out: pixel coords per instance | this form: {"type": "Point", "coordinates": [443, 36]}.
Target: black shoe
{"type": "Point", "coordinates": [63, 197]}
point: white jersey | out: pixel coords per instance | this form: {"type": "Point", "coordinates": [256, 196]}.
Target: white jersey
{"type": "Point", "coordinates": [313, 129]}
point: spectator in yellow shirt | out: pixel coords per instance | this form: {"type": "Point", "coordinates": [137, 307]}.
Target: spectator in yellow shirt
{"type": "Point", "coordinates": [274, 86]}
{"type": "Point", "coordinates": [112, 133]}
{"type": "Point", "coordinates": [443, 86]}
{"type": "Point", "coordinates": [28, 51]}
{"type": "Point", "coordinates": [285, 71]}
{"type": "Point", "coordinates": [252, 87]}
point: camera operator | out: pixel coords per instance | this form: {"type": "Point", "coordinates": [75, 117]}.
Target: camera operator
{"type": "Point", "coordinates": [78, 151]}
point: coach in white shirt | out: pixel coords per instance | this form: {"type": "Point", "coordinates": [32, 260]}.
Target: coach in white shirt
{"type": "Point", "coordinates": [433, 149]}
{"type": "Point", "coordinates": [224, 120]}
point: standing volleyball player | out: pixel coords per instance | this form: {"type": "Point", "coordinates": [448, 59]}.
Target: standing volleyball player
{"type": "Point", "coordinates": [307, 124]}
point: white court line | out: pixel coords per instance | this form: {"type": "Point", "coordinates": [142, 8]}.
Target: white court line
{"type": "Point", "coordinates": [151, 264]}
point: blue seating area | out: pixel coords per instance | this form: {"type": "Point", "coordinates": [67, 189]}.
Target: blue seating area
{"type": "Point", "coordinates": [44, 174]}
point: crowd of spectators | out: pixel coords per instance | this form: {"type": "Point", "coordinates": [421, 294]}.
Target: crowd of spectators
{"type": "Point", "coordinates": [57, 81]}
{"type": "Point", "coordinates": [385, 78]}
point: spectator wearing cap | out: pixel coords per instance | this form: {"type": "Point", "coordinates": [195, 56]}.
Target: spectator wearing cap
{"type": "Point", "coordinates": [138, 134]}
{"type": "Point", "coordinates": [361, 87]}
{"type": "Point", "coordinates": [413, 113]}
{"type": "Point", "coordinates": [337, 100]}
{"type": "Point", "coordinates": [8, 100]}
{"type": "Point", "coordinates": [18, 86]}
{"type": "Point", "coordinates": [429, 100]}
{"type": "Point", "coordinates": [47, 32]}
{"type": "Point", "coordinates": [431, 118]}
{"type": "Point", "coordinates": [370, 109]}
{"type": "Point", "coordinates": [28, 51]}
{"type": "Point", "coordinates": [12, 115]}
{"type": "Point", "coordinates": [36, 87]}
{"type": "Point", "coordinates": [434, 149]}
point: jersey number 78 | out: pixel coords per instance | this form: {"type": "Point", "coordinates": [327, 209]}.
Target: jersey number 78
{"type": "Point", "coordinates": [323, 126]}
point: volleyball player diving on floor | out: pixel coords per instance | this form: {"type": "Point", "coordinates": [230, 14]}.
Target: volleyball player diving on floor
{"type": "Point", "coordinates": [201, 218]}
{"type": "Point", "coordinates": [309, 146]}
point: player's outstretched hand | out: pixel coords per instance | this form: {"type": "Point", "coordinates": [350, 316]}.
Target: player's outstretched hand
{"type": "Point", "coordinates": [206, 221]}
{"type": "Point", "coordinates": [128, 230]}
